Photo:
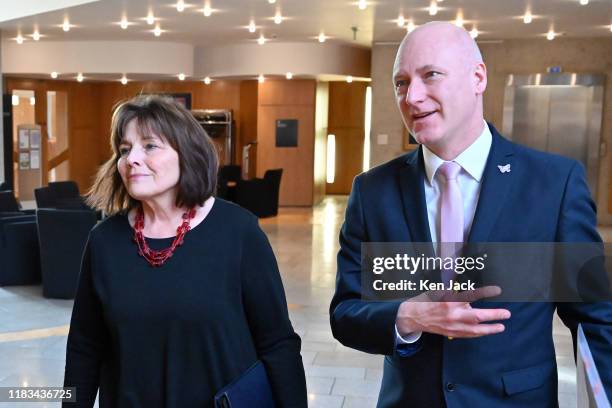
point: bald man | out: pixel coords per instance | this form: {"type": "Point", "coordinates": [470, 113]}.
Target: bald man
{"type": "Point", "coordinates": [465, 183]}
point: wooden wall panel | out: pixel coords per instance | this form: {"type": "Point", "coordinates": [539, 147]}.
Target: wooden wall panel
{"type": "Point", "coordinates": [248, 123]}
{"type": "Point", "coordinates": [285, 99]}
{"type": "Point", "coordinates": [346, 122]}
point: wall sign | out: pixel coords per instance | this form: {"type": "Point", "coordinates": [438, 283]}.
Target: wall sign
{"type": "Point", "coordinates": [287, 133]}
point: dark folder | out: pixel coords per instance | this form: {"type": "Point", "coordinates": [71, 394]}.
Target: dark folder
{"type": "Point", "coordinates": [252, 389]}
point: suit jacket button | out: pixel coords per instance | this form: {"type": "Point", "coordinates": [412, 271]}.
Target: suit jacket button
{"type": "Point", "coordinates": [450, 387]}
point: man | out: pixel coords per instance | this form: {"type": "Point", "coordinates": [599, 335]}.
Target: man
{"type": "Point", "coordinates": [465, 183]}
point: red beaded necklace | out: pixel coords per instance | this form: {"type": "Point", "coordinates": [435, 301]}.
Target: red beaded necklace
{"type": "Point", "coordinates": [153, 257]}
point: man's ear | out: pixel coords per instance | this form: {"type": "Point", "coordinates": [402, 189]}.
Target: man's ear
{"type": "Point", "coordinates": [480, 78]}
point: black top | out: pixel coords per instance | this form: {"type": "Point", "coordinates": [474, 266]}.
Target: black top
{"type": "Point", "coordinates": [172, 336]}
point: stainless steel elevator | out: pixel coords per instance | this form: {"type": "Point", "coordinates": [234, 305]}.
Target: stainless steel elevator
{"type": "Point", "coordinates": [558, 113]}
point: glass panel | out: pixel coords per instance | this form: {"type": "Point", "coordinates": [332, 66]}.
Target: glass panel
{"type": "Point", "coordinates": [23, 114]}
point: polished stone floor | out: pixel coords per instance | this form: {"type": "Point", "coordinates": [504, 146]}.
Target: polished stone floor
{"type": "Point", "coordinates": [33, 329]}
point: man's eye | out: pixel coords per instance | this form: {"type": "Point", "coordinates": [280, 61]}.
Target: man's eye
{"type": "Point", "coordinates": [400, 82]}
{"type": "Point", "coordinates": [432, 74]}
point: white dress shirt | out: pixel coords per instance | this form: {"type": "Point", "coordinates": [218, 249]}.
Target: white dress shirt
{"type": "Point", "coordinates": [472, 161]}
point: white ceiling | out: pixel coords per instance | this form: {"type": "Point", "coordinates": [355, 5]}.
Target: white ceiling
{"type": "Point", "coordinates": [305, 19]}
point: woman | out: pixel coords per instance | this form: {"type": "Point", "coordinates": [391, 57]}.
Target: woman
{"type": "Point", "coordinates": [166, 316]}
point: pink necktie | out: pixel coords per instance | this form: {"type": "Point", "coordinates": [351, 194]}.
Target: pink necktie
{"type": "Point", "coordinates": [451, 215]}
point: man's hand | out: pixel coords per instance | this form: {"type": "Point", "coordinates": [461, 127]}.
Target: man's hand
{"type": "Point", "coordinates": [450, 314]}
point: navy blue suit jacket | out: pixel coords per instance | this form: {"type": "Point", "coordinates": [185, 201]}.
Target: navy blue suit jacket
{"type": "Point", "coordinates": [544, 198]}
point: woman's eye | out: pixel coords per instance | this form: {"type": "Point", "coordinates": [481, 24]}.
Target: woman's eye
{"type": "Point", "coordinates": [123, 151]}
{"type": "Point", "coordinates": [150, 146]}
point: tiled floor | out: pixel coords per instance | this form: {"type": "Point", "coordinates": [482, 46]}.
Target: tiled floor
{"type": "Point", "coordinates": [33, 329]}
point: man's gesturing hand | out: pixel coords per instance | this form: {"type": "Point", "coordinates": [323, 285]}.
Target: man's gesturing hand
{"type": "Point", "coordinates": [450, 314]}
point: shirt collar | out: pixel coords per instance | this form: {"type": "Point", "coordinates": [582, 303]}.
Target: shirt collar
{"type": "Point", "coordinates": [473, 159]}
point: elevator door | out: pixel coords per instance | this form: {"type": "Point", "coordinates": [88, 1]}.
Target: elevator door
{"type": "Point", "coordinates": [558, 114]}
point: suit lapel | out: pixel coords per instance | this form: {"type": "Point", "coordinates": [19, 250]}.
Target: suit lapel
{"type": "Point", "coordinates": [495, 188]}
{"type": "Point", "coordinates": [411, 177]}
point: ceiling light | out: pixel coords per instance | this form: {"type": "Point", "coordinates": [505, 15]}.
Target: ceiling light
{"type": "Point", "coordinates": [261, 79]}
{"type": "Point", "coordinates": [19, 39]}
{"type": "Point", "coordinates": [180, 6]}
{"type": "Point", "coordinates": [362, 4]}
{"type": "Point", "coordinates": [15, 100]}
{"type": "Point", "coordinates": [157, 31]}
{"type": "Point", "coordinates": [271, 1]}
{"type": "Point", "coordinates": [150, 18]}
{"type": "Point", "coordinates": [54, 75]}
{"type": "Point", "coordinates": [261, 40]}
{"type": "Point", "coordinates": [32, 100]}
{"type": "Point", "coordinates": [584, 2]}
{"type": "Point", "coordinates": [433, 8]}
{"type": "Point", "coordinates": [123, 23]}
{"type": "Point", "coordinates": [207, 10]}
{"type": "Point", "coordinates": [124, 80]}
{"type": "Point", "coordinates": [401, 20]}
{"type": "Point", "coordinates": [252, 27]}
{"type": "Point", "coordinates": [181, 76]}
{"type": "Point", "coordinates": [610, 27]}
{"type": "Point", "coordinates": [289, 75]}
{"type": "Point", "coordinates": [322, 37]}
{"type": "Point", "coordinates": [278, 18]}
{"type": "Point", "coordinates": [474, 32]}
{"type": "Point", "coordinates": [207, 80]}
{"type": "Point", "coordinates": [36, 35]}
{"type": "Point", "coordinates": [349, 79]}
{"type": "Point", "coordinates": [80, 77]}
{"type": "Point", "coordinates": [459, 19]}
{"type": "Point", "coordinates": [66, 25]}
{"type": "Point", "coordinates": [550, 35]}
{"type": "Point", "coordinates": [410, 26]}
{"type": "Point", "coordinates": [527, 18]}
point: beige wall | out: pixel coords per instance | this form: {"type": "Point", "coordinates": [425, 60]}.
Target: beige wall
{"type": "Point", "coordinates": [511, 56]}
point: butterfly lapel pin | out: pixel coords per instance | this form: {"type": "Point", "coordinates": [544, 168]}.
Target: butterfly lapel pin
{"type": "Point", "coordinates": [504, 169]}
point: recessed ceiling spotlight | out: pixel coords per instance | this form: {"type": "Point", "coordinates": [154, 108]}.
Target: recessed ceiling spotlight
{"type": "Point", "coordinates": [181, 76]}
{"type": "Point", "coordinates": [66, 25]}
{"type": "Point", "coordinates": [349, 79]}
{"type": "Point", "coordinates": [474, 32]}
{"type": "Point", "coordinates": [322, 37]}
{"type": "Point", "coordinates": [289, 75]}
{"type": "Point", "coordinates": [551, 35]}
{"type": "Point", "coordinates": [124, 23]}
{"type": "Point", "coordinates": [150, 18]}
{"type": "Point", "coordinates": [401, 20]}
{"type": "Point", "coordinates": [261, 79]}
{"type": "Point", "coordinates": [433, 8]}
{"type": "Point", "coordinates": [36, 35]}
{"type": "Point", "coordinates": [362, 4]}
{"type": "Point", "coordinates": [252, 27]}
{"type": "Point", "coordinates": [207, 10]}
{"type": "Point", "coordinates": [459, 19]}
{"type": "Point", "coordinates": [207, 80]}
{"type": "Point", "coordinates": [527, 18]}
{"type": "Point", "coordinates": [278, 18]}
{"type": "Point", "coordinates": [261, 40]}
{"type": "Point", "coordinates": [180, 6]}
{"type": "Point", "coordinates": [124, 80]}
{"type": "Point", "coordinates": [157, 31]}
{"type": "Point", "coordinates": [19, 39]}
{"type": "Point", "coordinates": [80, 77]}
{"type": "Point", "coordinates": [54, 75]}
{"type": "Point", "coordinates": [584, 2]}
{"type": "Point", "coordinates": [271, 1]}
{"type": "Point", "coordinates": [410, 26]}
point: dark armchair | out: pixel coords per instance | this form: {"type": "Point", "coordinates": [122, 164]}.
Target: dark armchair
{"type": "Point", "coordinates": [8, 202]}
{"type": "Point", "coordinates": [62, 235]}
{"type": "Point", "coordinates": [19, 252]}
{"type": "Point", "coordinates": [227, 174]}
{"type": "Point", "coordinates": [260, 196]}
{"type": "Point", "coordinates": [61, 194]}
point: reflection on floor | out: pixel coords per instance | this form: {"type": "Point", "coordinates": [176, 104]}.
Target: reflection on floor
{"type": "Point", "coordinates": [33, 329]}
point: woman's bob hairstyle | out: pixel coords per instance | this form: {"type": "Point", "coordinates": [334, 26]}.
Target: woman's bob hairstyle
{"type": "Point", "coordinates": [175, 125]}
